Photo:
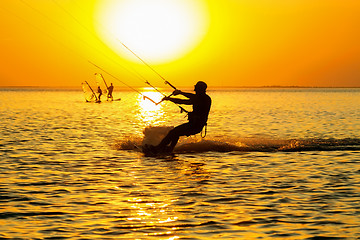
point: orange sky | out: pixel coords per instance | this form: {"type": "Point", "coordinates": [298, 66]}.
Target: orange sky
{"type": "Point", "coordinates": [248, 43]}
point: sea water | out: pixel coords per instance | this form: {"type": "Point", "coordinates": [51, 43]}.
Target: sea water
{"type": "Point", "coordinates": [275, 164]}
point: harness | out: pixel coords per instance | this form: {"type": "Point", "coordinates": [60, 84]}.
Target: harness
{"type": "Point", "coordinates": [188, 115]}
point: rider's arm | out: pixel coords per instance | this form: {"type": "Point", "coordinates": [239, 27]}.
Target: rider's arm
{"type": "Point", "coordinates": [179, 101]}
{"type": "Point", "coordinates": [185, 94]}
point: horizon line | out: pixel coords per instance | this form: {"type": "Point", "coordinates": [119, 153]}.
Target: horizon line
{"type": "Point", "coordinates": [209, 88]}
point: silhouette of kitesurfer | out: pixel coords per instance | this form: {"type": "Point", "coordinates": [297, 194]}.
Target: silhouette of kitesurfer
{"type": "Point", "coordinates": [100, 93]}
{"type": "Point", "coordinates": [110, 90]}
{"type": "Point", "coordinates": [197, 119]}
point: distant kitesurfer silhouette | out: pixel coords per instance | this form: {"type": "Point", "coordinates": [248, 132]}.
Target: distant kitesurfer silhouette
{"type": "Point", "coordinates": [110, 90]}
{"type": "Point", "coordinates": [197, 119]}
{"type": "Point", "coordinates": [100, 93]}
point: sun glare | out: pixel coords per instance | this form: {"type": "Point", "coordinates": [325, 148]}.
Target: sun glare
{"type": "Point", "coordinates": [150, 113]}
{"type": "Point", "coordinates": [146, 104]}
{"type": "Point", "coordinates": [157, 30]}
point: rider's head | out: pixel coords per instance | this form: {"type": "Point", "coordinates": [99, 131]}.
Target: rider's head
{"type": "Point", "coordinates": [200, 87]}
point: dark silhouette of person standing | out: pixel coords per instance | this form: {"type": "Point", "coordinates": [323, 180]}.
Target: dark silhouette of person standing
{"type": "Point", "coordinates": [197, 119]}
{"type": "Point", "coordinates": [110, 91]}
{"type": "Point", "coordinates": [100, 93]}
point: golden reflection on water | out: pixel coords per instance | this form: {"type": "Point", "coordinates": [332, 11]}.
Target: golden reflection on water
{"type": "Point", "coordinates": [150, 113]}
{"type": "Point", "coordinates": [153, 213]}
{"type": "Point", "coordinates": [150, 209]}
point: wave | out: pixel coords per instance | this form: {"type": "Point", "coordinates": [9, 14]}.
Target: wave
{"type": "Point", "coordinates": [153, 135]}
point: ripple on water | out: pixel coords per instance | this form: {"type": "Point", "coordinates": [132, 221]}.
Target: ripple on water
{"type": "Point", "coordinates": [246, 196]}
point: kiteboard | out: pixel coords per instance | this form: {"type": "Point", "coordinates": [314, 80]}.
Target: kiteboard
{"type": "Point", "coordinates": [152, 151]}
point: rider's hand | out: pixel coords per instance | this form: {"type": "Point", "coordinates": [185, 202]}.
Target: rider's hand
{"type": "Point", "coordinates": [176, 92]}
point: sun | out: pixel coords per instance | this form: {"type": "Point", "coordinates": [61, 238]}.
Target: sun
{"type": "Point", "coordinates": [159, 31]}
